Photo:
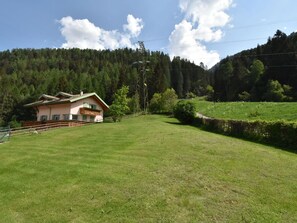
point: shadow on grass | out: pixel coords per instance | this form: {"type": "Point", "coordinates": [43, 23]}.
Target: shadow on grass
{"type": "Point", "coordinates": [174, 123]}
{"type": "Point", "coordinates": [265, 143]}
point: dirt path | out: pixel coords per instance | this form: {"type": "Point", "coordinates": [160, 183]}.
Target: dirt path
{"type": "Point", "coordinates": [199, 115]}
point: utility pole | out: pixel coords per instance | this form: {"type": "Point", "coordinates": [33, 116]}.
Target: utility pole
{"type": "Point", "coordinates": [142, 80]}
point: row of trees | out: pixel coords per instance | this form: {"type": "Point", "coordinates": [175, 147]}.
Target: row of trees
{"type": "Point", "coordinates": [266, 73]}
{"type": "Point", "coordinates": [25, 74]}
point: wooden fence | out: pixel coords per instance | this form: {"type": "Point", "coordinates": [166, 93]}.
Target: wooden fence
{"type": "Point", "coordinates": [37, 127]}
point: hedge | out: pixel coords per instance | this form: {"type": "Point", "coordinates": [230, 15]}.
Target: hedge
{"type": "Point", "coordinates": [278, 133]}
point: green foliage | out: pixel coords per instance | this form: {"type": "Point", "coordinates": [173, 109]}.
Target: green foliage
{"type": "Point", "coordinates": [277, 133]}
{"type": "Point", "coordinates": [274, 91]}
{"type": "Point", "coordinates": [244, 96]}
{"type": "Point", "coordinates": [185, 112]}
{"type": "Point", "coordinates": [119, 105]}
{"type": "Point", "coordinates": [134, 103]}
{"type": "Point", "coordinates": [190, 95]}
{"type": "Point", "coordinates": [163, 102]}
{"type": "Point", "coordinates": [25, 74]}
{"type": "Point", "coordinates": [209, 92]}
{"type": "Point", "coordinates": [155, 105]}
{"type": "Point", "coordinates": [168, 100]}
{"type": "Point", "coordinates": [256, 71]}
{"type": "Point", "coordinates": [14, 123]}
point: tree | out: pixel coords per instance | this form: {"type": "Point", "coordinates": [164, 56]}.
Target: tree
{"type": "Point", "coordinates": [257, 70]}
{"type": "Point", "coordinates": [164, 102]}
{"type": "Point", "coordinates": [156, 103]}
{"type": "Point", "coordinates": [209, 92]}
{"type": "Point", "coordinates": [134, 103]}
{"type": "Point", "coordinates": [274, 91]}
{"type": "Point", "coordinates": [168, 100]}
{"type": "Point", "coordinates": [119, 105]}
{"type": "Point", "coordinates": [185, 112]}
{"type": "Point", "coordinates": [244, 96]}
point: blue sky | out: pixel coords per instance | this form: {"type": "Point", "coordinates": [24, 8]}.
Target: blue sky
{"type": "Point", "coordinates": [199, 30]}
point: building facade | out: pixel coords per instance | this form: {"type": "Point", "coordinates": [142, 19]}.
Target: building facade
{"type": "Point", "coordinates": [87, 107]}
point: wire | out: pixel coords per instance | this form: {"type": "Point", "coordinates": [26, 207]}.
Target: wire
{"type": "Point", "coordinates": [264, 24]}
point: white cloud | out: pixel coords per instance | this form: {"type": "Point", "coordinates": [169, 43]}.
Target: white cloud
{"type": "Point", "coordinates": [183, 43]}
{"type": "Point", "coordinates": [81, 33]}
{"type": "Point", "coordinates": [134, 26]}
{"type": "Point", "coordinates": [202, 23]}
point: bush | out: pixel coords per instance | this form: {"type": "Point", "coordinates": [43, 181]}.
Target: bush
{"type": "Point", "coordinates": [185, 112]}
{"type": "Point", "coordinates": [119, 105]}
{"type": "Point", "coordinates": [156, 103]}
{"type": "Point", "coordinates": [277, 133]}
{"type": "Point", "coordinates": [163, 102]}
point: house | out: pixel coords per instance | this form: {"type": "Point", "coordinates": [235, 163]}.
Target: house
{"type": "Point", "coordinates": [88, 107]}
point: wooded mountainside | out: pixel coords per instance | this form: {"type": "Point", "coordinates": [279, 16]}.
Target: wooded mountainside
{"type": "Point", "coordinates": [265, 73]}
{"type": "Point", "coordinates": [25, 74]}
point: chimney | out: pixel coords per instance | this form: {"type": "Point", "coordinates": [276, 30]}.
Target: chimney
{"type": "Point", "coordinates": [81, 93]}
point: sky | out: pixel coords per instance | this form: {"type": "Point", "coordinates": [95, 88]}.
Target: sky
{"type": "Point", "coordinates": [198, 30]}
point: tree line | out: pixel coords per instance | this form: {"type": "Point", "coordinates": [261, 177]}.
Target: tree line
{"type": "Point", "coordinates": [265, 73]}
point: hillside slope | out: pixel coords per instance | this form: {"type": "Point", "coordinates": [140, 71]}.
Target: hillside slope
{"type": "Point", "coordinates": [144, 169]}
{"type": "Point", "coordinates": [266, 73]}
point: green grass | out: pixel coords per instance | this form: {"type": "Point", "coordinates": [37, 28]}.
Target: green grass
{"type": "Point", "coordinates": [144, 169]}
{"type": "Point", "coordinates": [268, 111]}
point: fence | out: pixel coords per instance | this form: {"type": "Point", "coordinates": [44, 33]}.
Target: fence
{"type": "Point", "coordinates": [37, 127]}
{"type": "Point", "coordinates": [4, 134]}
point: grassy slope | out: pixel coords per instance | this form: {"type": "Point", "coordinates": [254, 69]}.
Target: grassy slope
{"type": "Point", "coordinates": [145, 169]}
{"type": "Point", "coordinates": [269, 111]}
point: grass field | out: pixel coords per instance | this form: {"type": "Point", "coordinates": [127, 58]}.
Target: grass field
{"type": "Point", "coordinates": [144, 169]}
{"type": "Point", "coordinates": [269, 111]}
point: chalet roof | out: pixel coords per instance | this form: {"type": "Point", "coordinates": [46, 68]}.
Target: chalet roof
{"type": "Point", "coordinates": [63, 95]}
{"type": "Point", "coordinates": [47, 97]}
{"type": "Point", "coordinates": [64, 98]}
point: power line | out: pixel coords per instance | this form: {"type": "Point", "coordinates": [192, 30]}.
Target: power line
{"type": "Point", "coordinates": [264, 24]}
{"type": "Point", "coordinates": [234, 28]}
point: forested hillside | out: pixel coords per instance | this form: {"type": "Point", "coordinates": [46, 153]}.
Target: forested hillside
{"type": "Point", "coordinates": [25, 74]}
{"type": "Point", "coordinates": [265, 73]}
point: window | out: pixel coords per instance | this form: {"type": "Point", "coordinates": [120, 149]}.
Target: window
{"type": "Point", "coordinates": [84, 118]}
{"type": "Point", "coordinates": [93, 106]}
{"type": "Point", "coordinates": [66, 117]}
{"type": "Point", "coordinates": [86, 105]}
{"type": "Point", "coordinates": [92, 118]}
{"type": "Point", "coordinates": [75, 117]}
{"type": "Point", "coordinates": [43, 118]}
{"type": "Point", "coordinates": [56, 117]}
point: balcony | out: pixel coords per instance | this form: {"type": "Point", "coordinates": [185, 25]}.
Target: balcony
{"type": "Point", "coordinates": [89, 111]}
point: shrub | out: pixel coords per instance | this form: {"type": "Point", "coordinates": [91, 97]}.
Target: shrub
{"type": "Point", "coordinates": [185, 112]}
{"type": "Point", "coordinates": [156, 103]}
{"type": "Point", "coordinates": [119, 105]}
{"type": "Point", "coordinates": [277, 133]}
{"type": "Point", "coordinates": [163, 102]}
{"type": "Point", "coordinates": [190, 95]}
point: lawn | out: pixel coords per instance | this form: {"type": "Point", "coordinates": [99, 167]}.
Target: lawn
{"type": "Point", "coordinates": [144, 169]}
{"type": "Point", "coordinates": [269, 111]}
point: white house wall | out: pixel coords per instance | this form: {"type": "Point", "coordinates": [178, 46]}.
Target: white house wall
{"type": "Point", "coordinates": [50, 110]}
{"type": "Point", "coordinates": [75, 106]}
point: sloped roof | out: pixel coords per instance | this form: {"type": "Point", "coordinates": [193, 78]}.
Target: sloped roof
{"type": "Point", "coordinates": [63, 98]}
{"type": "Point", "coordinates": [63, 94]}
{"type": "Point", "coordinates": [47, 97]}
